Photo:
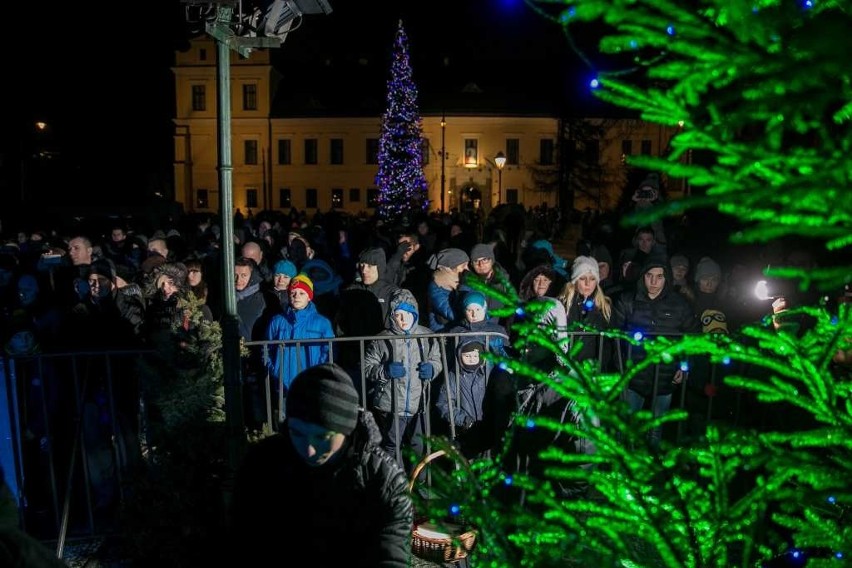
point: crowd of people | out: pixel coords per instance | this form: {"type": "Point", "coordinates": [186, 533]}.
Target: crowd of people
{"type": "Point", "coordinates": [332, 276]}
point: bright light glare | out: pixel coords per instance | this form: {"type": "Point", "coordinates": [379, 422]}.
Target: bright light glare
{"type": "Point", "coordinates": [762, 291]}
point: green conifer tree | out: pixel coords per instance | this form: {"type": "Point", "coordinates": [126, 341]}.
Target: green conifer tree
{"type": "Point", "coordinates": [763, 91]}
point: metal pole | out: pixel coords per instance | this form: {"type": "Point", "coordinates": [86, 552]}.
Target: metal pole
{"type": "Point", "coordinates": [230, 321]}
{"type": "Point", "coordinates": [499, 186]}
{"type": "Point", "coordinates": [443, 158]}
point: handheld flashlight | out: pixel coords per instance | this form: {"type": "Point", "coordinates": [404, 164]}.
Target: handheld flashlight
{"type": "Point", "coordinates": [761, 290]}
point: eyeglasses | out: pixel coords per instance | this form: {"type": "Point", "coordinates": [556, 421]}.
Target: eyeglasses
{"type": "Point", "coordinates": [483, 260]}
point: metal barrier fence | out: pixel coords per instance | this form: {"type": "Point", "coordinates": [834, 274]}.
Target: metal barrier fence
{"type": "Point", "coordinates": [72, 424]}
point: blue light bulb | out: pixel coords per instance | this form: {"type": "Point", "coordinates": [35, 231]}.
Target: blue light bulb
{"type": "Point", "coordinates": [684, 366]}
{"type": "Point", "coordinates": [726, 360]}
{"type": "Point", "coordinates": [832, 499]}
{"type": "Point", "coordinates": [589, 305]}
{"type": "Point", "coordinates": [519, 311]}
{"type": "Point", "coordinates": [638, 335]}
{"type": "Point", "coordinates": [508, 480]}
{"type": "Point", "coordinates": [530, 423]}
{"type": "Point", "coordinates": [502, 365]}
{"type": "Point", "coordinates": [594, 83]}
{"type": "Point", "coordinates": [454, 509]}
{"type": "Point", "coordinates": [670, 30]}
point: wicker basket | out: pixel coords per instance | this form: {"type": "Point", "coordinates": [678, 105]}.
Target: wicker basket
{"type": "Point", "coordinates": [433, 543]}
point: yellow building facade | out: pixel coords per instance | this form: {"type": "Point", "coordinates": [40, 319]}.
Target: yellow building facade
{"type": "Point", "coordinates": [319, 163]}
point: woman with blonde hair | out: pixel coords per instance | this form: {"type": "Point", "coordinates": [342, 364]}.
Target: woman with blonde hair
{"type": "Point", "coordinates": [588, 308]}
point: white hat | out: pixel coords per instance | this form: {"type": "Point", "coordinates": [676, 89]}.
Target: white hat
{"type": "Point", "coordinates": [585, 265]}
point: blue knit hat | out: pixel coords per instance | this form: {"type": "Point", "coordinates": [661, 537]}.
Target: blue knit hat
{"type": "Point", "coordinates": [285, 267]}
{"type": "Point", "coordinates": [477, 298]}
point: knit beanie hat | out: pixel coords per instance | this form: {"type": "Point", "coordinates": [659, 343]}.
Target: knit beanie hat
{"type": "Point", "coordinates": [103, 267]}
{"type": "Point", "coordinates": [471, 346]}
{"type": "Point", "coordinates": [601, 254]}
{"type": "Point", "coordinates": [448, 258]}
{"type": "Point", "coordinates": [285, 267]}
{"type": "Point", "coordinates": [707, 267]}
{"type": "Point", "coordinates": [714, 321]}
{"type": "Point", "coordinates": [324, 395]}
{"type": "Point", "coordinates": [477, 298]}
{"type": "Point", "coordinates": [375, 256]}
{"type": "Point", "coordinates": [302, 282]}
{"type": "Point", "coordinates": [679, 260]}
{"type": "Point", "coordinates": [585, 265]}
{"type": "Point", "coordinates": [482, 250]}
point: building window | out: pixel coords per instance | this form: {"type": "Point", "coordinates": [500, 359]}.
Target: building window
{"type": "Point", "coordinates": [513, 151]}
{"type": "Point", "coordinates": [627, 147]}
{"type": "Point", "coordinates": [202, 199]}
{"type": "Point", "coordinates": [592, 151]}
{"type": "Point", "coordinates": [646, 147]}
{"type": "Point", "coordinates": [285, 153]}
{"type": "Point", "coordinates": [249, 96]}
{"type": "Point", "coordinates": [511, 195]}
{"type": "Point", "coordinates": [284, 197]}
{"type": "Point", "coordinates": [199, 98]}
{"type": "Point", "coordinates": [471, 152]}
{"type": "Point", "coordinates": [251, 198]}
{"type": "Point", "coordinates": [250, 149]}
{"type": "Point", "coordinates": [354, 195]}
{"type": "Point", "coordinates": [311, 198]}
{"type": "Point", "coordinates": [546, 152]}
{"type": "Point", "coordinates": [337, 197]}
{"type": "Point", "coordinates": [336, 151]}
{"type": "Point", "coordinates": [372, 150]}
{"type": "Point", "coordinates": [372, 198]}
{"type": "Point", "coordinates": [424, 151]}
{"type": "Point", "coordinates": [202, 54]}
{"type": "Point", "coordinates": [311, 151]}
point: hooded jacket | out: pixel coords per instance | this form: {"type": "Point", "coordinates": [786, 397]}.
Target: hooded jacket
{"type": "Point", "coordinates": [668, 313]}
{"type": "Point", "coordinates": [354, 512]}
{"type": "Point", "coordinates": [402, 396]}
{"type": "Point", "coordinates": [464, 389]}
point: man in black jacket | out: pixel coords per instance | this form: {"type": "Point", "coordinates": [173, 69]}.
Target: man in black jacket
{"type": "Point", "coordinates": [322, 486]}
{"type": "Point", "coordinates": [654, 309]}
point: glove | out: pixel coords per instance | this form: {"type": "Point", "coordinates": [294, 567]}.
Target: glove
{"type": "Point", "coordinates": [395, 369]}
{"type": "Point", "coordinates": [425, 371]}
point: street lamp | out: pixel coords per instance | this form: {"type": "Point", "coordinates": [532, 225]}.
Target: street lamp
{"type": "Point", "coordinates": [443, 159]}
{"type": "Point", "coordinates": [500, 161]}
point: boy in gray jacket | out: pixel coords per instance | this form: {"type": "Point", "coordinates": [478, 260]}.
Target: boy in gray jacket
{"type": "Point", "coordinates": [398, 370]}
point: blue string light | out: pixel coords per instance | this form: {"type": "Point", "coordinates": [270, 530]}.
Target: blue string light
{"type": "Point", "coordinates": [726, 360]}
{"type": "Point", "coordinates": [684, 366]}
{"type": "Point", "coordinates": [638, 335]}
{"type": "Point", "coordinates": [589, 305]}
{"type": "Point", "coordinates": [670, 30]}
{"type": "Point", "coordinates": [519, 311]}
{"type": "Point", "coordinates": [594, 83]}
{"type": "Point", "coordinates": [530, 424]}
{"type": "Point", "coordinates": [832, 499]}
{"type": "Point", "coordinates": [508, 480]}
{"type": "Point", "coordinates": [454, 509]}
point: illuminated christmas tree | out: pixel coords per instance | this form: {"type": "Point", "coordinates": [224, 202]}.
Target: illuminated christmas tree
{"type": "Point", "coordinates": [763, 91]}
{"type": "Point", "coordinates": [402, 185]}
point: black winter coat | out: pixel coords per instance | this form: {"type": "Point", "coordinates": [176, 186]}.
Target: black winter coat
{"type": "Point", "coordinates": [356, 512]}
{"type": "Point", "coordinates": [668, 313]}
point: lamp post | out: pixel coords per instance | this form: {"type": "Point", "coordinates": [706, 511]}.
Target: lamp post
{"type": "Point", "coordinates": [443, 158]}
{"type": "Point", "coordinates": [226, 22]}
{"type": "Point", "coordinates": [500, 161]}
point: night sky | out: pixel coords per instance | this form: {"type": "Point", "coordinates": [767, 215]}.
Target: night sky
{"type": "Point", "coordinates": [102, 79]}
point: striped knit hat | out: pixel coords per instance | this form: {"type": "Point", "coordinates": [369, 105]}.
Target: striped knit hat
{"type": "Point", "coordinates": [302, 282]}
{"type": "Point", "coordinates": [324, 395]}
